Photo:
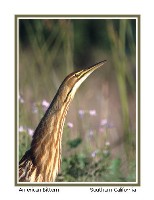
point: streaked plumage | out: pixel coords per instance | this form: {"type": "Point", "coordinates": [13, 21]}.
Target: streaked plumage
{"type": "Point", "coordinates": [41, 162]}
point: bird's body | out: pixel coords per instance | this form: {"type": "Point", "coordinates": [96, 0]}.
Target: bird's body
{"type": "Point", "coordinates": [41, 163]}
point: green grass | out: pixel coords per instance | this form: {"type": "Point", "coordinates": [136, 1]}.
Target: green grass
{"type": "Point", "coordinates": [101, 144]}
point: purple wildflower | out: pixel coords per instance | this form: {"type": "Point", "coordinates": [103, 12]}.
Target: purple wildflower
{"type": "Point", "coordinates": [94, 153]}
{"type": "Point", "coordinates": [30, 131]}
{"type": "Point", "coordinates": [70, 125]}
{"type": "Point", "coordinates": [45, 104]}
{"type": "Point", "coordinates": [104, 122]}
{"type": "Point", "coordinates": [34, 108]}
{"type": "Point", "coordinates": [21, 100]}
{"type": "Point", "coordinates": [81, 113]}
{"type": "Point", "coordinates": [21, 129]}
{"type": "Point", "coordinates": [92, 112]}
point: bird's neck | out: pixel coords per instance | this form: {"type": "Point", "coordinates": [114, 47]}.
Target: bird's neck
{"type": "Point", "coordinates": [46, 143]}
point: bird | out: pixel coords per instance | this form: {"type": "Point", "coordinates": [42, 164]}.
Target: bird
{"type": "Point", "coordinates": [41, 163]}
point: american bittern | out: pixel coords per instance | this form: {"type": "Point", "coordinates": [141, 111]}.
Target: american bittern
{"type": "Point", "coordinates": [41, 162]}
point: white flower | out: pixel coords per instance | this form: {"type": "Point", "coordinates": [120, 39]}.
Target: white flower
{"type": "Point", "coordinates": [107, 143]}
{"type": "Point", "coordinates": [91, 133]}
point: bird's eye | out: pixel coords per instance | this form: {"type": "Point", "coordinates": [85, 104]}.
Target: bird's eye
{"type": "Point", "coordinates": [78, 74]}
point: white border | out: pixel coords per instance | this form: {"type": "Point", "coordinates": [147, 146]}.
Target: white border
{"type": "Point", "coordinates": [137, 123]}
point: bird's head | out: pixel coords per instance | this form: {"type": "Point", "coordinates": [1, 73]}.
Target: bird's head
{"type": "Point", "coordinates": [72, 82]}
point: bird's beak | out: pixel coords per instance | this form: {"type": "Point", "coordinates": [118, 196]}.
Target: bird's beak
{"type": "Point", "coordinates": [92, 68]}
{"type": "Point", "coordinates": [84, 73]}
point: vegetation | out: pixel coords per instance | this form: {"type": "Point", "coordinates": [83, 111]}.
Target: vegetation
{"type": "Point", "coordinates": [99, 139]}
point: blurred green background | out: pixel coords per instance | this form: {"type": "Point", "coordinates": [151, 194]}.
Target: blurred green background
{"type": "Point", "coordinates": [99, 139]}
